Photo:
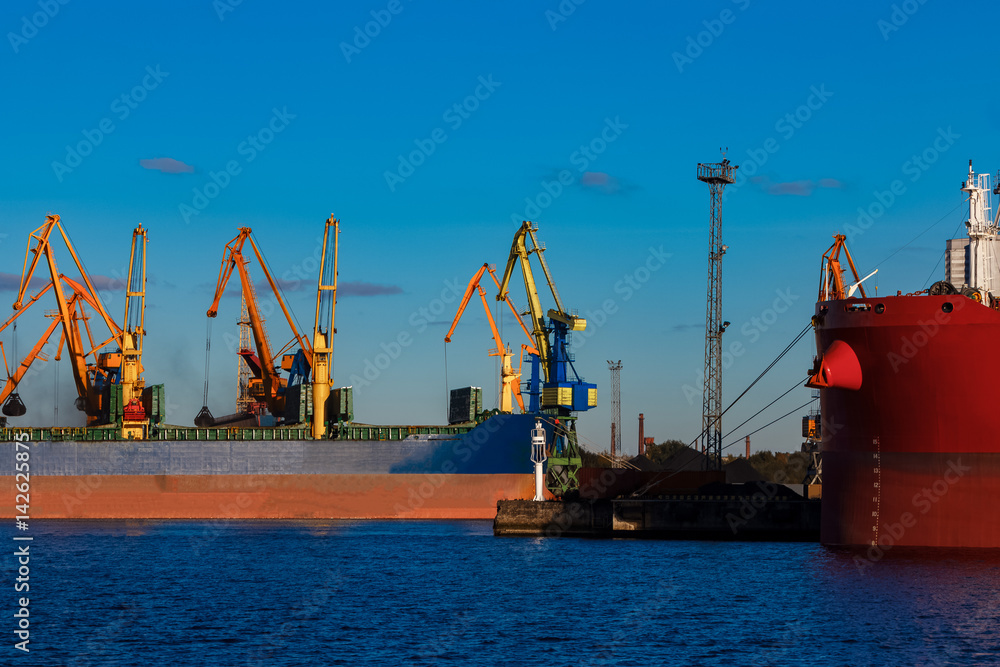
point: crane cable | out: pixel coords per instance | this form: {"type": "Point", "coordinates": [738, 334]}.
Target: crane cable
{"type": "Point", "coordinates": [55, 395]}
{"type": "Point", "coordinates": [774, 421]}
{"type": "Point", "coordinates": [204, 418]}
{"type": "Point", "coordinates": [910, 242]}
{"type": "Point", "coordinates": [667, 474]}
{"type": "Point", "coordinates": [798, 383]}
{"type": "Point", "coordinates": [277, 283]}
{"type": "Point", "coordinates": [14, 355]}
{"type": "Point", "coordinates": [208, 355]}
{"type": "Point", "coordinates": [660, 477]}
{"type": "Point", "coordinates": [788, 348]}
{"type": "Point", "coordinates": [13, 406]}
{"type": "Point", "coordinates": [447, 401]}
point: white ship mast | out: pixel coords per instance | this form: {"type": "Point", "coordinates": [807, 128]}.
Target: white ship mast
{"type": "Point", "coordinates": [982, 271]}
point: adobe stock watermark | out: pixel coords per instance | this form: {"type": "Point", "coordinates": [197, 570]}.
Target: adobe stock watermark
{"type": "Point", "coordinates": [889, 534]}
{"type": "Point", "coordinates": [625, 288]}
{"type": "Point", "coordinates": [276, 638]}
{"type": "Point", "coordinates": [751, 330]}
{"type": "Point", "coordinates": [581, 158]}
{"type": "Point", "coordinates": [248, 149]}
{"type": "Point", "coordinates": [236, 509]}
{"type": "Point", "coordinates": [898, 17]}
{"type": "Point", "coordinates": [31, 25]}
{"type": "Point", "coordinates": [914, 168]}
{"type": "Point", "coordinates": [787, 125]}
{"type": "Point", "coordinates": [122, 107]}
{"type": "Point", "coordinates": [462, 451]}
{"type": "Point", "coordinates": [419, 321]}
{"type": "Point", "coordinates": [292, 279]}
{"type": "Point", "coordinates": [563, 11]}
{"type": "Point", "coordinates": [363, 35]}
{"type": "Point", "coordinates": [622, 642]}
{"type": "Point", "coordinates": [910, 346]}
{"type": "Point", "coordinates": [696, 44]}
{"type": "Point", "coordinates": [454, 116]}
{"type": "Point", "coordinates": [223, 7]}
{"type": "Point", "coordinates": [98, 642]}
{"type": "Point", "coordinates": [752, 505]}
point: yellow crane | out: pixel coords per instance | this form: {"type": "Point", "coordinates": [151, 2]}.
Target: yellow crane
{"type": "Point", "coordinates": [134, 418]}
{"type": "Point", "coordinates": [326, 309]}
{"type": "Point", "coordinates": [561, 394]}
{"type": "Point", "coordinates": [558, 391]}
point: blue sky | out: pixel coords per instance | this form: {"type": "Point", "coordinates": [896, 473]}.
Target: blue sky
{"type": "Point", "coordinates": [432, 134]}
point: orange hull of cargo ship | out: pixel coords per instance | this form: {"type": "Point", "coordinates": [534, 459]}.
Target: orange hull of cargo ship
{"type": "Point", "coordinates": [452, 473]}
{"type": "Point", "coordinates": [418, 496]}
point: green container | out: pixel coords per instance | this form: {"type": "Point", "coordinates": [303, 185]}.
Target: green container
{"type": "Point", "coordinates": [465, 404]}
{"type": "Point", "coordinates": [340, 406]}
{"type": "Point", "coordinates": [154, 402]}
{"type": "Point", "coordinates": [298, 404]}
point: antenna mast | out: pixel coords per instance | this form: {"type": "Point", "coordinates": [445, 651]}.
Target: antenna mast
{"type": "Point", "coordinates": [717, 175]}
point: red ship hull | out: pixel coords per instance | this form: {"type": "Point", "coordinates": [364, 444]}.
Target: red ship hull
{"type": "Point", "coordinates": [912, 456]}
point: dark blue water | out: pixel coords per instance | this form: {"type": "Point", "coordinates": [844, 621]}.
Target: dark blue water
{"type": "Point", "coordinates": [420, 593]}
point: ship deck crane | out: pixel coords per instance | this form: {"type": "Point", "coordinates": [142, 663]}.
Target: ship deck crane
{"type": "Point", "coordinates": [270, 382]}
{"type": "Point", "coordinates": [134, 418]}
{"type": "Point", "coordinates": [510, 380]}
{"type": "Point", "coordinates": [323, 330]}
{"type": "Point", "coordinates": [90, 378]}
{"type": "Point", "coordinates": [561, 395]}
{"type": "Point", "coordinates": [831, 284]}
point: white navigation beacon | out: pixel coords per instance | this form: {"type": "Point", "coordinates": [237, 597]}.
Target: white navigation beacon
{"type": "Point", "coordinates": [538, 457]}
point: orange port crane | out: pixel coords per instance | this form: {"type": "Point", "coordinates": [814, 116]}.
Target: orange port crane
{"type": "Point", "coordinates": [510, 380]}
{"type": "Point", "coordinates": [267, 384]}
{"type": "Point", "coordinates": [90, 378]}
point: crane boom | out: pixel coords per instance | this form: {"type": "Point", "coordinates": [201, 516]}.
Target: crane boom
{"type": "Point", "coordinates": [41, 235]}
{"type": "Point", "coordinates": [519, 253]}
{"type": "Point", "coordinates": [540, 250]}
{"type": "Point", "coordinates": [234, 259]}
{"type": "Point", "coordinates": [74, 306]}
{"type": "Point", "coordinates": [470, 288]}
{"type": "Point", "coordinates": [510, 380]}
{"type": "Point", "coordinates": [35, 353]}
{"type": "Point", "coordinates": [526, 348]}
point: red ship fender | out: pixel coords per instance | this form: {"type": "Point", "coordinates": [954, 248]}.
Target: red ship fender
{"type": "Point", "coordinates": [837, 367]}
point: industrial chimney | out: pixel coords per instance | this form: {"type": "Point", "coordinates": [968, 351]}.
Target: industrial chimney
{"type": "Point", "coordinates": [642, 440]}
